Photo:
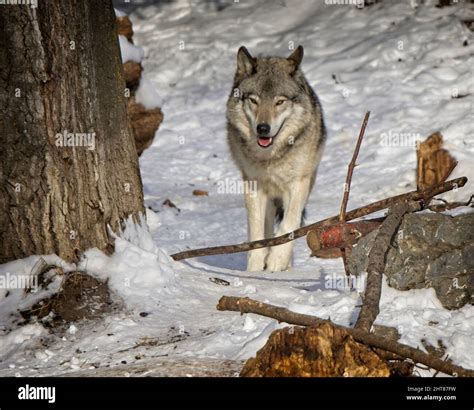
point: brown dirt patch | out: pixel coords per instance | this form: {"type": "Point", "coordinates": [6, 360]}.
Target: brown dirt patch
{"type": "Point", "coordinates": [81, 297]}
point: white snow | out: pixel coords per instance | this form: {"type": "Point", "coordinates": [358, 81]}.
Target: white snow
{"type": "Point", "coordinates": [147, 95]}
{"type": "Point", "coordinates": [20, 339]}
{"type": "Point", "coordinates": [405, 64]}
{"type": "Point", "coordinates": [129, 51]}
{"type": "Point", "coordinates": [119, 13]}
{"type": "Point", "coordinates": [16, 274]}
{"type": "Point", "coordinates": [138, 271]}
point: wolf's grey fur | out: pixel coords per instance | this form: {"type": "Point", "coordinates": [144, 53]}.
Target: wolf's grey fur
{"type": "Point", "coordinates": [282, 158]}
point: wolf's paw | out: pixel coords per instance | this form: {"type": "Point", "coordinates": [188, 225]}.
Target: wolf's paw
{"type": "Point", "coordinates": [277, 262]}
{"type": "Point", "coordinates": [256, 260]}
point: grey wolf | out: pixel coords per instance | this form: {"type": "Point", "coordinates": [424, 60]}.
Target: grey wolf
{"type": "Point", "coordinates": [276, 135]}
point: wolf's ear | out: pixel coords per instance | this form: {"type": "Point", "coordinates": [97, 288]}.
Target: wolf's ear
{"type": "Point", "coordinates": [245, 62]}
{"type": "Point", "coordinates": [296, 57]}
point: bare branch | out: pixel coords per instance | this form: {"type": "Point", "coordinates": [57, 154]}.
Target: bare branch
{"type": "Point", "coordinates": [445, 206]}
{"type": "Point", "coordinates": [298, 233]}
{"type": "Point", "coordinates": [247, 305]}
{"type": "Point", "coordinates": [350, 169]}
{"type": "Point", "coordinates": [370, 308]}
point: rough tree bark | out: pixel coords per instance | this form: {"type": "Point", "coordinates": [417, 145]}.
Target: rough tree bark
{"type": "Point", "coordinates": [60, 73]}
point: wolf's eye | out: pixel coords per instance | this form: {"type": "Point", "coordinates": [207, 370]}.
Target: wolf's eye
{"type": "Point", "coordinates": [280, 102]}
{"type": "Point", "coordinates": [253, 100]}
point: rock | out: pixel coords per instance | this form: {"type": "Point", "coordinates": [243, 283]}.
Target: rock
{"type": "Point", "coordinates": [452, 275]}
{"type": "Point", "coordinates": [429, 250]}
{"type": "Point", "coordinates": [144, 124]}
{"type": "Point", "coordinates": [316, 351]}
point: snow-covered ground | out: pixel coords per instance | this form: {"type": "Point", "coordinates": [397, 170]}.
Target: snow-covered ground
{"type": "Point", "coordinates": [412, 67]}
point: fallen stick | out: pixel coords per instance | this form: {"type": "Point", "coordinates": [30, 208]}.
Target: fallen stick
{"type": "Point", "coordinates": [247, 305]}
{"type": "Point", "coordinates": [298, 233]}
{"type": "Point", "coordinates": [445, 206]}
{"type": "Point", "coordinates": [376, 267]}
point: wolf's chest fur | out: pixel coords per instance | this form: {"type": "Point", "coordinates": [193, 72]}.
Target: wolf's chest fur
{"type": "Point", "coordinates": [276, 176]}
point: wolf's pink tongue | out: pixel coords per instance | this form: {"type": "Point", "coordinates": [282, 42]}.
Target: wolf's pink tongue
{"type": "Point", "coordinates": [264, 141]}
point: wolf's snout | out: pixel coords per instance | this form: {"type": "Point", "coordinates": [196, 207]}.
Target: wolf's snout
{"type": "Point", "coordinates": [263, 129]}
{"type": "Point", "coordinates": [263, 139]}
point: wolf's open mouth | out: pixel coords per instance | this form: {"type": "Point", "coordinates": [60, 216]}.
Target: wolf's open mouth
{"type": "Point", "coordinates": [264, 142]}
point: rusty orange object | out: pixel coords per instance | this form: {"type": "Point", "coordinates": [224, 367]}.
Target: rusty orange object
{"type": "Point", "coordinates": [339, 235]}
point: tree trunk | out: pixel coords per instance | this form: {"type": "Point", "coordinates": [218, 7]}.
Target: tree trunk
{"type": "Point", "coordinates": [61, 76]}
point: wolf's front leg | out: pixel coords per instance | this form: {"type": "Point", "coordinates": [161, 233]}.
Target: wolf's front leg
{"type": "Point", "coordinates": [256, 204]}
{"type": "Point", "coordinates": [294, 202]}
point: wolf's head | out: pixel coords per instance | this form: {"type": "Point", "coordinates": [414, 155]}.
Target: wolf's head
{"type": "Point", "coordinates": [270, 102]}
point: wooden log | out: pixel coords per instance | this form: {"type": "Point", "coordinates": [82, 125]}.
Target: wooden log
{"type": "Point", "coordinates": [144, 124]}
{"type": "Point", "coordinates": [330, 253]}
{"type": "Point", "coordinates": [124, 27]}
{"type": "Point", "coordinates": [339, 235]}
{"type": "Point", "coordinates": [315, 351]}
{"type": "Point", "coordinates": [247, 305]}
{"type": "Point", "coordinates": [434, 164]}
{"type": "Point", "coordinates": [132, 72]}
